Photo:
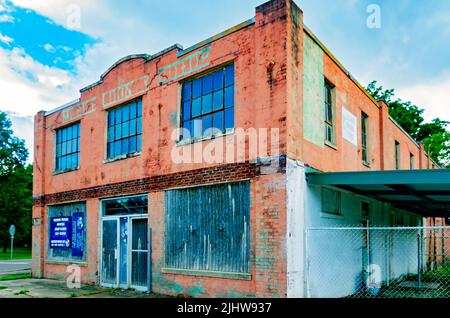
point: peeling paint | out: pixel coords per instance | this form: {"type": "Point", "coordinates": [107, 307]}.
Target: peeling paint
{"type": "Point", "coordinates": [313, 97]}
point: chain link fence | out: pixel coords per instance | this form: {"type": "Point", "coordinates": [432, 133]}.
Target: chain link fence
{"type": "Point", "coordinates": [380, 262]}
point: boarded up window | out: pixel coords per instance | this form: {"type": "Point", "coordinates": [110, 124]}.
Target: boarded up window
{"type": "Point", "coordinates": [72, 216]}
{"type": "Point", "coordinates": [207, 228]}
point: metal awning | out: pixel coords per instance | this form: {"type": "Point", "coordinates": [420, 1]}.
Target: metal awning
{"type": "Point", "coordinates": [426, 192]}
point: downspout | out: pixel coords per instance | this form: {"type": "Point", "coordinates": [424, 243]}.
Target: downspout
{"type": "Point", "coordinates": [381, 134]}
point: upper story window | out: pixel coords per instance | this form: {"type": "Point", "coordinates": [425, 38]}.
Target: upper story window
{"type": "Point", "coordinates": [208, 104]}
{"type": "Point", "coordinates": [397, 155]}
{"type": "Point", "coordinates": [125, 130]}
{"type": "Point", "coordinates": [364, 137]}
{"type": "Point", "coordinates": [329, 113]}
{"type": "Point", "coordinates": [68, 148]}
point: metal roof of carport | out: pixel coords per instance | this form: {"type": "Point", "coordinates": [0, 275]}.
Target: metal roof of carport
{"type": "Point", "coordinates": [426, 192]}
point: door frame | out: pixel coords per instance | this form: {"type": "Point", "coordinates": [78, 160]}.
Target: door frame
{"type": "Point", "coordinates": [129, 244]}
{"type": "Point", "coordinates": [129, 251]}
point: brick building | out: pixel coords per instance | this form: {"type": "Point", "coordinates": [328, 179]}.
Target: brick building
{"type": "Point", "coordinates": [110, 197]}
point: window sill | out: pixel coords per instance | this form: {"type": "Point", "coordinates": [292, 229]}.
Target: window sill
{"type": "Point", "coordinates": [55, 262]}
{"type": "Point", "coordinates": [225, 275]}
{"type": "Point", "coordinates": [326, 215]}
{"type": "Point", "coordinates": [55, 173]}
{"type": "Point", "coordinates": [185, 142]}
{"type": "Point", "coordinates": [365, 163]}
{"type": "Point", "coordinates": [330, 144]}
{"type": "Point", "coordinates": [122, 157]}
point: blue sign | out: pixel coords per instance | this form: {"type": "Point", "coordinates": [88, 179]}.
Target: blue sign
{"type": "Point", "coordinates": [78, 236]}
{"type": "Point", "coordinates": [61, 232]}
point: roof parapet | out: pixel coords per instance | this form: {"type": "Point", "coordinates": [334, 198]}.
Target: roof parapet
{"type": "Point", "coordinates": [339, 64]}
{"type": "Point", "coordinates": [62, 107]}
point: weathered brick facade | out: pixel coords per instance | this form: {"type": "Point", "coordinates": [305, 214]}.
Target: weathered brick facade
{"type": "Point", "coordinates": [271, 91]}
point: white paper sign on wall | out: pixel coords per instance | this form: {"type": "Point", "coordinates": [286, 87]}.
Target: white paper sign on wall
{"type": "Point", "coordinates": [349, 127]}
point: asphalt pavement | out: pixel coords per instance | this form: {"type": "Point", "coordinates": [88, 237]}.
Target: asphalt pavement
{"type": "Point", "coordinates": [14, 266]}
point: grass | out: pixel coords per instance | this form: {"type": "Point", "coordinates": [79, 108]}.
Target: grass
{"type": "Point", "coordinates": [441, 275]}
{"type": "Point", "coordinates": [18, 253]}
{"type": "Point", "coordinates": [3, 287]}
{"type": "Point", "coordinates": [22, 292]}
{"type": "Point", "coordinates": [15, 277]}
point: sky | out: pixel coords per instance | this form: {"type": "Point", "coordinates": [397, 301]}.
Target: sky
{"type": "Point", "coordinates": [49, 49]}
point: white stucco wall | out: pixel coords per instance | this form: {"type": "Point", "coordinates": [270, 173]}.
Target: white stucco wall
{"type": "Point", "coordinates": [337, 258]}
{"type": "Point", "coordinates": [331, 263]}
{"type": "Point", "coordinates": [295, 232]}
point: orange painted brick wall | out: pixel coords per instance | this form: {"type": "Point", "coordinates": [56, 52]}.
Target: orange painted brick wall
{"type": "Point", "coordinates": [267, 259]}
{"type": "Point", "coordinates": [345, 156]}
{"type": "Point", "coordinates": [382, 133]}
{"type": "Point", "coordinates": [268, 59]}
{"type": "Point", "coordinates": [261, 65]}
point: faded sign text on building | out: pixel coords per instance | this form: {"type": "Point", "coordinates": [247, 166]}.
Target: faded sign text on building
{"type": "Point", "coordinates": [185, 66]}
{"type": "Point", "coordinates": [79, 110]}
{"type": "Point", "coordinates": [125, 91]}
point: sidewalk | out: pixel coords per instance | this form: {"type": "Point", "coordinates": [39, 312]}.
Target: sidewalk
{"type": "Point", "coordinates": [45, 288]}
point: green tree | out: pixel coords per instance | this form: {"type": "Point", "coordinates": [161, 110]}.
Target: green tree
{"type": "Point", "coordinates": [15, 185]}
{"type": "Point", "coordinates": [438, 146]}
{"type": "Point", "coordinates": [433, 135]}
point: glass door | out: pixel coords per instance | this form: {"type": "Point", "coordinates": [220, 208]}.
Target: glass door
{"type": "Point", "coordinates": [139, 254]}
{"type": "Point", "coordinates": [109, 253]}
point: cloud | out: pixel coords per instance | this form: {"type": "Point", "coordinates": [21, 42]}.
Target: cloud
{"type": "Point", "coordinates": [6, 18]}
{"type": "Point", "coordinates": [440, 22]}
{"type": "Point", "coordinates": [6, 39]}
{"type": "Point", "coordinates": [433, 95]}
{"type": "Point", "coordinates": [3, 8]}
{"type": "Point", "coordinates": [63, 12]}
{"type": "Point", "coordinates": [30, 85]}
{"type": "Point", "coordinates": [23, 127]}
{"type": "Point", "coordinates": [49, 48]}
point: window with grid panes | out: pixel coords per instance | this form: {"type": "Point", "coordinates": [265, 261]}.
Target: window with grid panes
{"type": "Point", "coordinates": [208, 104]}
{"type": "Point", "coordinates": [67, 148]}
{"type": "Point", "coordinates": [397, 155]}
{"type": "Point", "coordinates": [411, 161]}
{"type": "Point", "coordinates": [329, 113]}
{"type": "Point", "coordinates": [125, 130]}
{"type": "Point", "coordinates": [364, 131]}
